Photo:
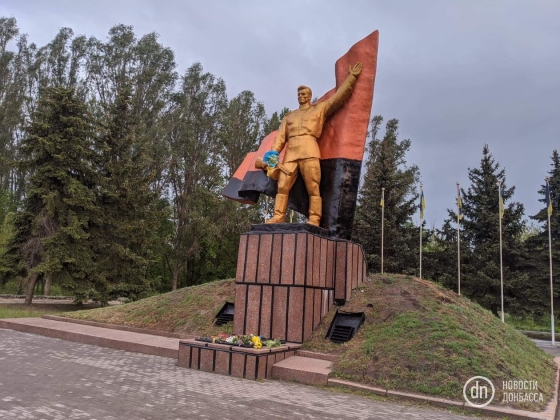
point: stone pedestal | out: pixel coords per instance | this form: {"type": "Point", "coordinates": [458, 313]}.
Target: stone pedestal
{"type": "Point", "coordinates": [289, 276]}
{"type": "Point", "coordinates": [232, 360]}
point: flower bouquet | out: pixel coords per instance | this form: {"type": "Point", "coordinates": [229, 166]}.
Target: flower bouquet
{"type": "Point", "coordinates": [249, 341]}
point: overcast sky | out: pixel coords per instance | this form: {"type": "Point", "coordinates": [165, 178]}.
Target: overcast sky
{"type": "Point", "coordinates": [457, 74]}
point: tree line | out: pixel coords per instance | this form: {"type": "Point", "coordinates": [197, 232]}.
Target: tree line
{"type": "Point", "coordinates": [525, 246]}
{"type": "Point", "coordinates": [112, 165]}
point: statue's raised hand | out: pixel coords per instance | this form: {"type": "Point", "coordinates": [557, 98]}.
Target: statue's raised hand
{"type": "Point", "coordinates": [356, 69]}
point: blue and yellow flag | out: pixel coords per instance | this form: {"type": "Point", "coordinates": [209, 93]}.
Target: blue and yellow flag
{"type": "Point", "coordinates": [422, 205]}
{"type": "Point", "coordinates": [548, 200]}
{"type": "Point", "coordinates": [459, 205]}
{"type": "Point", "coordinates": [501, 202]}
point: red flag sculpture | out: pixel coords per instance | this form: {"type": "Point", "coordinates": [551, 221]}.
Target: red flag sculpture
{"type": "Point", "coordinates": [342, 145]}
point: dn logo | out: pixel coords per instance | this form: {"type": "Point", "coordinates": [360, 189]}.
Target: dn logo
{"type": "Point", "coordinates": [478, 391]}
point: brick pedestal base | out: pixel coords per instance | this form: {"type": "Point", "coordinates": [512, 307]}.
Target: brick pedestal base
{"type": "Point", "coordinates": [288, 278]}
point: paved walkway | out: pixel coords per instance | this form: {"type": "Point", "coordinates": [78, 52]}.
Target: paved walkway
{"type": "Point", "coordinates": [48, 378]}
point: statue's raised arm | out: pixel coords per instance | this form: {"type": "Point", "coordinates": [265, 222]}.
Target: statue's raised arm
{"type": "Point", "coordinates": [345, 90]}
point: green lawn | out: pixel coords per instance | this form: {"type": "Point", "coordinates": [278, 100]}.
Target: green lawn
{"type": "Point", "coordinates": [19, 310]}
{"type": "Point", "coordinates": [532, 323]}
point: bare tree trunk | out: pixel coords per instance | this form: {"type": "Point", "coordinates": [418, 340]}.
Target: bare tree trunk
{"type": "Point", "coordinates": [47, 291]}
{"type": "Point", "coordinates": [31, 288]}
{"type": "Point", "coordinates": [175, 272]}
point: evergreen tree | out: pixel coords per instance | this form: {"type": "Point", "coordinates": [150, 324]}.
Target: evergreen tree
{"type": "Point", "coordinates": [440, 257]}
{"type": "Point", "coordinates": [386, 168]}
{"type": "Point", "coordinates": [51, 231]}
{"type": "Point", "coordinates": [125, 239]}
{"type": "Point", "coordinates": [538, 244]}
{"type": "Point", "coordinates": [273, 123]}
{"type": "Point", "coordinates": [480, 241]}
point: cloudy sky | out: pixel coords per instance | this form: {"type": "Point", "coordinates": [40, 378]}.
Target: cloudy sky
{"type": "Point", "coordinates": [457, 74]}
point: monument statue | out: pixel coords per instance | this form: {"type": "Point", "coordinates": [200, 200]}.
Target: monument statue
{"type": "Point", "coordinates": [298, 133]}
{"type": "Point", "coordinates": [319, 159]}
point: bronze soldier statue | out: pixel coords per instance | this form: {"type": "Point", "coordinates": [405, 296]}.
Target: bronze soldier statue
{"type": "Point", "coordinates": [298, 133]}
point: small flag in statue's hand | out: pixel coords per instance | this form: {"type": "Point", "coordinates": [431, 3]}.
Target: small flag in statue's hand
{"type": "Point", "coordinates": [548, 200]}
{"type": "Point", "coordinates": [459, 205]}
{"type": "Point", "coordinates": [501, 202]}
{"type": "Point", "coordinates": [422, 205]}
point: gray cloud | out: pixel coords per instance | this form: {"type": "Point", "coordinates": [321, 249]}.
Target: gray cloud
{"type": "Point", "coordinates": [456, 74]}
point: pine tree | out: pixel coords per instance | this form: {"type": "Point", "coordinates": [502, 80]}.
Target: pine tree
{"type": "Point", "coordinates": [539, 264]}
{"type": "Point", "coordinates": [480, 249]}
{"type": "Point", "coordinates": [386, 168]}
{"type": "Point", "coordinates": [125, 238]}
{"type": "Point", "coordinates": [51, 231]}
{"type": "Point", "coordinates": [273, 123]}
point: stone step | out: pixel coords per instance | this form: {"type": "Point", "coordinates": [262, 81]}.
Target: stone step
{"type": "Point", "coordinates": [315, 355]}
{"type": "Point", "coordinates": [301, 369]}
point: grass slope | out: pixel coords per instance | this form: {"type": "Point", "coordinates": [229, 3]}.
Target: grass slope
{"type": "Point", "coordinates": [423, 338]}
{"type": "Point", "coordinates": [188, 311]}
{"type": "Point", "coordinates": [9, 309]}
{"type": "Point", "coordinates": [417, 337]}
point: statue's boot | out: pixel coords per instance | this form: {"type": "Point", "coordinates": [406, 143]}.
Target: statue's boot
{"type": "Point", "coordinates": [280, 207]}
{"type": "Point", "coordinates": [315, 210]}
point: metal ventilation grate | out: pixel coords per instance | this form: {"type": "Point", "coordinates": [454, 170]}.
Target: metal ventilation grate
{"type": "Point", "coordinates": [345, 325]}
{"type": "Point", "coordinates": [225, 314]}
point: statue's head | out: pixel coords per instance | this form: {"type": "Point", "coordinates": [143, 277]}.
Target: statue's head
{"type": "Point", "coordinates": [303, 94]}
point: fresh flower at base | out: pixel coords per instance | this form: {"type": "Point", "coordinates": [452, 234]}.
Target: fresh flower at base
{"type": "Point", "coordinates": [251, 340]}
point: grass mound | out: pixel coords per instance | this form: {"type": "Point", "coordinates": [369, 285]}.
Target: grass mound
{"type": "Point", "coordinates": [420, 337]}
{"type": "Point", "coordinates": [188, 311]}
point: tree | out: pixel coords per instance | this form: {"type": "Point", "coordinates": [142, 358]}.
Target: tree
{"type": "Point", "coordinates": [51, 231]}
{"type": "Point", "coordinates": [480, 243]}
{"type": "Point", "coordinates": [241, 129]}
{"type": "Point", "coordinates": [125, 238]}
{"type": "Point", "coordinates": [273, 123]}
{"type": "Point", "coordinates": [146, 70]}
{"type": "Point", "coordinates": [13, 87]}
{"type": "Point", "coordinates": [538, 244]}
{"type": "Point", "coordinates": [194, 172]}
{"type": "Point", "coordinates": [386, 168]}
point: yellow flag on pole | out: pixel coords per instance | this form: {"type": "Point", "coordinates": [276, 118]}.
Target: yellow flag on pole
{"type": "Point", "coordinates": [501, 202]}
{"type": "Point", "coordinates": [459, 205]}
{"type": "Point", "coordinates": [548, 200]}
{"type": "Point", "coordinates": [422, 205]}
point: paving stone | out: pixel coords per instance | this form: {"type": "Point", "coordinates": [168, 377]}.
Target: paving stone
{"type": "Point", "coordinates": [47, 378]}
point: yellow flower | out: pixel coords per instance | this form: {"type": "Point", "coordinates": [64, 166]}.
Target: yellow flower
{"type": "Point", "coordinates": [258, 345]}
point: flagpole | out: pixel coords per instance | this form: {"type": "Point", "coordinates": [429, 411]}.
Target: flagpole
{"type": "Point", "coordinates": [458, 241]}
{"type": "Point", "coordinates": [500, 206]}
{"type": "Point", "coordinates": [421, 220]}
{"type": "Point", "coordinates": [550, 262]}
{"type": "Point", "coordinates": [382, 224]}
